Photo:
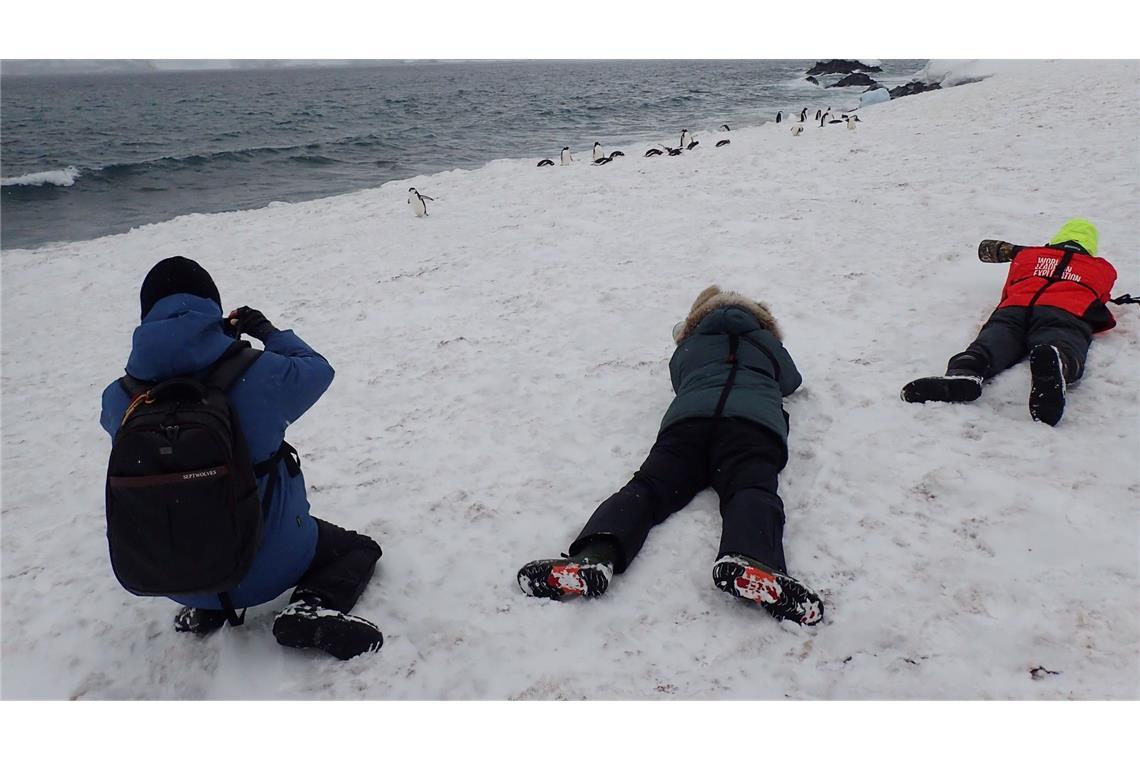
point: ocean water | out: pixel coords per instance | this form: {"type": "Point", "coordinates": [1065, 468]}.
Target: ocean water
{"type": "Point", "coordinates": [90, 155]}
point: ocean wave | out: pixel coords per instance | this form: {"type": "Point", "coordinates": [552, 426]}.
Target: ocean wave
{"type": "Point", "coordinates": [58, 177]}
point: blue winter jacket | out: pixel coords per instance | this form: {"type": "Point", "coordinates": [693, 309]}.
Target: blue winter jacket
{"type": "Point", "coordinates": [182, 335]}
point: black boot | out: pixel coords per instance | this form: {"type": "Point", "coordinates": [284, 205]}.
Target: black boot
{"type": "Point", "coordinates": [586, 573]}
{"type": "Point", "coordinates": [956, 386]}
{"type": "Point", "coordinates": [200, 622]}
{"type": "Point", "coordinates": [1047, 392]}
{"type": "Point", "coordinates": [781, 595]}
{"type": "Point", "coordinates": [306, 624]}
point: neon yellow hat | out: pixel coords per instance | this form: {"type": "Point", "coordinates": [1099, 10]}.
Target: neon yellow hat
{"type": "Point", "coordinates": [1080, 231]}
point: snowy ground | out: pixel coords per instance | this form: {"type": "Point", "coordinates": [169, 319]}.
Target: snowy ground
{"type": "Point", "coordinates": [502, 368]}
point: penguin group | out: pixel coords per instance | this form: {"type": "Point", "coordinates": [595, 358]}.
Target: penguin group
{"type": "Point", "coordinates": [686, 143]}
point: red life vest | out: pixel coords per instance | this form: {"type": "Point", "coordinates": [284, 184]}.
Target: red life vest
{"type": "Point", "coordinates": [1066, 279]}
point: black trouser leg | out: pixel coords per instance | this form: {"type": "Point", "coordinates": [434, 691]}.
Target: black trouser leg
{"type": "Point", "coordinates": [746, 462]}
{"type": "Point", "coordinates": [1000, 344]}
{"type": "Point", "coordinates": [341, 567]}
{"type": "Point", "coordinates": [1069, 333]}
{"type": "Point", "coordinates": [675, 471]}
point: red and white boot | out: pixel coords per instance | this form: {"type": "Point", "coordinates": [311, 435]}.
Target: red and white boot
{"type": "Point", "coordinates": [781, 595]}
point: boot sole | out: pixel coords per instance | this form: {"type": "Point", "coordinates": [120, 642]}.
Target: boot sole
{"type": "Point", "coordinates": [782, 596]}
{"type": "Point", "coordinates": [304, 632]}
{"type": "Point", "coordinates": [1047, 391]}
{"type": "Point", "coordinates": [554, 579]}
{"type": "Point", "coordinates": [954, 390]}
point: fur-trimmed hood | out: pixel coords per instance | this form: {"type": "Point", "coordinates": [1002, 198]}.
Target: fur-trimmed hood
{"type": "Point", "coordinates": [713, 298]}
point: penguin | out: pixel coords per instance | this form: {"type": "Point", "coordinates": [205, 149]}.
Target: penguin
{"type": "Point", "coordinates": [417, 201]}
{"type": "Point", "coordinates": [598, 152]}
{"type": "Point", "coordinates": [602, 160]}
{"type": "Point", "coordinates": [803, 115]}
{"type": "Point", "coordinates": [672, 151]}
{"type": "Point", "coordinates": [722, 143]}
{"type": "Point", "coordinates": [797, 130]}
{"type": "Point", "coordinates": [779, 116]}
{"type": "Point", "coordinates": [685, 139]}
{"type": "Point", "coordinates": [546, 162]}
{"type": "Point", "coordinates": [818, 113]}
{"type": "Point", "coordinates": [692, 144]}
{"type": "Point", "coordinates": [851, 124]}
{"type": "Point", "coordinates": [615, 154]}
{"type": "Point", "coordinates": [566, 157]}
{"type": "Point", "coordinates": [652, 152]}
{"type": "Point", "coordinates": [835, 121]}
{"type": "Point", "coordinates": [724, 128]}
{"type": "Point", "coordinates": [826, 113]}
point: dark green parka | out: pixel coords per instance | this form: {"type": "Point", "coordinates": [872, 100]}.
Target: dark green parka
{"type": "Point", "coordinates": [703, 364]}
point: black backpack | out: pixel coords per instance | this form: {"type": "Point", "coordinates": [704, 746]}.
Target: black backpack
{"type": "Point", "coordinates": [183, 515]}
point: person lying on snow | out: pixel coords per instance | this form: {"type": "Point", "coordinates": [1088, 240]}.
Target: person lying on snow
{"type": "Point", "coordinates": [726, 428]}
{"type": "Point", "coordinates": [184, 340]}
{"type": "Point", "coordinates": [1052, 303]}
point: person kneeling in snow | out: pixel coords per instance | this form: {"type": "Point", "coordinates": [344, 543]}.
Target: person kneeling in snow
{"type": "Point", "coordinates": [726, 428]}
{"type": "Point", "coordinates": [1052, 303]}
{"type": "Point", "coordinates": [183, 335]}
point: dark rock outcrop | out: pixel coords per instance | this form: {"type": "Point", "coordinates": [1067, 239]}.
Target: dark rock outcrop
{"type": "Point", "coordinates": [913, 88]}
{"type": "Point", "coordinates": [840, 66]}
{"type": "Point", "coordinates": [855, 80]}
{"type": "Point", "coordinates": [813, 80]}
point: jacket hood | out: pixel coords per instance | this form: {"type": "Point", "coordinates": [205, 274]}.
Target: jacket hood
{"type": "Point", "coordinates": [713, 298]}
{"type": "Point", "coordinates": [1080, 231]}
{"type": "Point", "coordinates": [180, 335]}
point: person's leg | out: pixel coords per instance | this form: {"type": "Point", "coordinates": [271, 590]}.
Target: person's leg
{"type": "Point", "coordinates": [673, 473]}
{"type": "Point", "coordinates": [341, 568]}
{"type": "Point", "coordinates": [746, 461]}
{"type": "Point", "coordinates": [999, 344]}
{"type": "Point", "coordinates": [1060, 343]}
{"type": "Point", "coordinates": [317, 614]}
{"type": "Point", "coordinates": [1071, 335]}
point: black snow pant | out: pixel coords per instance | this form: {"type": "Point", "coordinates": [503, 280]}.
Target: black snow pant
{"type": "Point", "coordinates": [1010, 332]}
{"type": "Point", "coordinates": [341, 568]}
{"type": "Point", "coordinates": [738, 458]}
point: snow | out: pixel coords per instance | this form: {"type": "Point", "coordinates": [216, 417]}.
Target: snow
{"type": "Point", "coordinates": [502, 366]}
{"type": "Point", "coordinates": [59, 177]}
{"type": "Point", "coordinates": [953, 72]}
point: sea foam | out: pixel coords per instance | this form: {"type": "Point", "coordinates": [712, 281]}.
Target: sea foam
{"type": "Point", "coordinates": [59, 177]}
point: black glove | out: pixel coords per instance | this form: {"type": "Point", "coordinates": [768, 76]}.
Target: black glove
{"type": "Point", "coordinates": [247, 321]}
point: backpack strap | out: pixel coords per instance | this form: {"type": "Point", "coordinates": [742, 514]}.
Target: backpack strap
{"type": "Point", "coordinates": [232, 617]}
{"type": "Point", "coordinates": [231, 365]}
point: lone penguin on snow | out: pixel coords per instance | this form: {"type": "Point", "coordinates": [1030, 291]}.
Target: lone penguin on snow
{"type": "Point", "coordinates": [566, 157]}
{"type": "Point", "coordinates": [722, 143]}
{"type": "Point", "coordinates": [546, 162]}
{"type": "Point", "coordinates": [417, 201]}
{"type": "Point", "coordinates": [779, 116]}
{"type": "Point", "coordinates": [724, 128]}
{"type": "Point", "coordinates": [598, 152]}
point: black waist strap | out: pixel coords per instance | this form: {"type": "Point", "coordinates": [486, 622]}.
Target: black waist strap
{"type": "Point", "coordinates": [269, 468]}
{"type": "Point", "coordinates": [286, 452]}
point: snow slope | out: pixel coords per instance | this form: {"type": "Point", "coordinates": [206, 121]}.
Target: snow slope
{"type": "Point", "coordinates": [502, 368]}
